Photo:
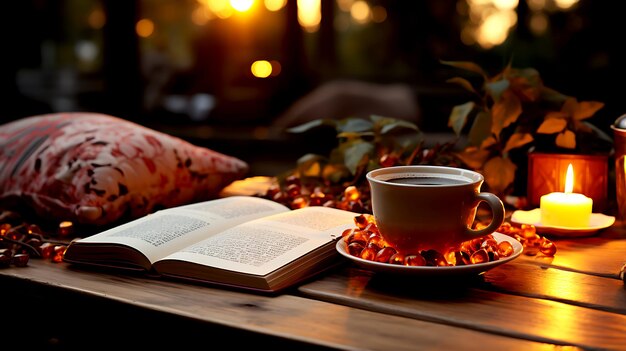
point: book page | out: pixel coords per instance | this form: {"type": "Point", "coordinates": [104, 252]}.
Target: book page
{"type": "Point", "coordinates": [169, 230]}
{"type": "Point", "coordinates": [264, 245]}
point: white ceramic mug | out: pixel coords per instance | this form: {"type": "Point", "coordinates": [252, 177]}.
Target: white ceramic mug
{"type": "Point", "coordinates": [429, 207]}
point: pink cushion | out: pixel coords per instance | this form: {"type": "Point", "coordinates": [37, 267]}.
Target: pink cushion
{"type": "Point", "coordinates": [97, 169]}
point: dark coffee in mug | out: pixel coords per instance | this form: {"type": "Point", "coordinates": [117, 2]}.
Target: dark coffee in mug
{"type": "Point", "coordinates": [424, 207]}
{"type": "Point", "coordinates": [427, 181]}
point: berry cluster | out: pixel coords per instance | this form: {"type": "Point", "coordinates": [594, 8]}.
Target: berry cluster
{"type": "Point", "coordinates": [21, 241]}
{"type": "Point", "coordinates": [295, 192]}
{"type": "Point", "coordinates": [366, 242]}
{"type": "Point", "coordinates": [527, 235]}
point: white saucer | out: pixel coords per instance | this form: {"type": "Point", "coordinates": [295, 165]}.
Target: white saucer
{"type": "Point", "coordinates": [431, 271]}
{"type": "Point", "coordinates": [597, 221]}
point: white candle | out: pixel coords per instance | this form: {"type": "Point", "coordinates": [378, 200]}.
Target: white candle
{"type": "Point", "coordinates": [566, 209]}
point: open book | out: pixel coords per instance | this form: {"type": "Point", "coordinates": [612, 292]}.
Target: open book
{"type": "Point", "coordinates": [240, 241]}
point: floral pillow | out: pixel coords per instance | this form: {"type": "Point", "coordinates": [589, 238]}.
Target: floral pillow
{"type": "Point", "coordinates": [97, 169]}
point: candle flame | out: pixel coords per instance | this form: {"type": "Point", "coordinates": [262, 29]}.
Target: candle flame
{"type": "Point", "coordinates": [569, 179]}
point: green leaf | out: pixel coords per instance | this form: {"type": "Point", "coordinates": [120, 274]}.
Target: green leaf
{"type": "Point", "coordinates": [398, 125]}
{"type": "Point", "coordinates": [354, 135]}
{"type": "Point", "coordinates": [497, 88]}
{"type": "Point", "coordinates": [481, 129]}
{"type": "Point", "coordinates": [466, 65]}
{"type": "Point", "coordinates": [530, 76]}
{"type": "Point", "coordinates": [586, 109]}
{"type": "Point", "coordinates": [566, 139]}
{"type": "Point", "coordinates": [464, 83]}
{"type": "Point", "coordinates": [599, 133]}
{"type": "Point", "coordinates": [309, 158]}
{"type": "Point", "coordinates": [354, 125]}
{"type": "Point", "coordinates": [356, 154]}
{"type": "Point", "coordinates": [458, 116]}
{"type": "Point", "coordinates": [499, 174]}
{"type": "Point", "coordinates": [312, 124]}
{"type": "Point", "coordinates": [551, 96]}
{"type": "Point", "coordinates": [504, 112]}
{"type": "Point", "coordinates": [517, 140]}
{"type": "Point", "coordinates": [552, 125]}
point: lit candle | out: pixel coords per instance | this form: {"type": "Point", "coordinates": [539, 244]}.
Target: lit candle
{"type": "Point", "coordinates": [566, 209]}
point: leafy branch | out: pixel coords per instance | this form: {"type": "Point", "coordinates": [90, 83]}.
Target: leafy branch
{"type": "Point", "coordinates": [366, 144]}
{"type": "Point", "coordinates": [515, 110]}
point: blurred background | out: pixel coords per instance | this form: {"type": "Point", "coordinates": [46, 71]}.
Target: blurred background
{"type": "Point", "coordinates": [233, 74]}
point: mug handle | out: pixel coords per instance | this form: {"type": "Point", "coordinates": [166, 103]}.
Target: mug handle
{"type": "Point", "coordinates": [497, 210]}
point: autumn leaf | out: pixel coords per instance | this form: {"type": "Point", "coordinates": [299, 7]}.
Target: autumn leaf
{"type": "Point", "coordinates": [569, 106]}
{"type": "Point", "coordinates": [466, 65]}
{"type": "Point", "coordinates": [488, 142]}
{"type": "Point", "coordinates": [505, 111]}
{"type": "Point", "coordinates": [499, 174]}
{"type": "Point", "coordinates": [481, 129]}
{"type": "Point", "coordinates": [464, 83]}
{"type": "Point", "coordinates": [473, 157]}
{"type": "Point", "coordinates": [517, 140]}
{"type": "Point", "coordinates": [586, 109]}
{"type": "Point", "coordinates": [552, 125]}
{"type": "Point", "coordinates": [566, 139]}
{"type": "Point", "coordinates": [526, 83]}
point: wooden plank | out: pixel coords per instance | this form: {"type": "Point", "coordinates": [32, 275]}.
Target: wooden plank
{"type": "Point", "coordinates": [601, 255]}
{"type": "Point", "coordinates": [286, 320]}
{"type": "Point", "coordinates": [579, 289]}
{"type": "Point", "coordinates": [459, 303]}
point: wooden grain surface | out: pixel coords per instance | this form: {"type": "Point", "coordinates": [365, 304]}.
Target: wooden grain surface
{"type": "Point", "coordinates": [574, 298]}
{"type": "Point", "coordinates": [286, 319]}
{"type": "Point", "coordinates": [571, 301]}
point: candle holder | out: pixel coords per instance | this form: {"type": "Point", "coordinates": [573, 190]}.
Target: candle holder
{"type": "Point", "coordinates": [547, 173]}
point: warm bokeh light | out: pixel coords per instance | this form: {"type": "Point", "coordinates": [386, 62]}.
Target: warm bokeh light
{"type": "Point", "coordinates": [538, 23]}
{"type": "Point", "coordinates": [341, 23]}
{"type": "Point", "coordinates": [261, 68]}
{"type": "Point", "coordinates": [309, 14]}
{"type": "Point", "coordinates": [345, 5]}
{"type": "Point", "coordinates": [536, 5]}
{"type": "Point", "coordinates": [276, 68]}
{"type": "Point", "coordinates": [467, 36]}
{"type": "Point", "coordinates": [506, 4]}
{"type": "Point", "coordinates": [490, 21]}
{"type": "Point", "coordinates": [565, 4]}
{"type": "Point", "coordinates": [360, 11]}
{"type": "Point", "coordinates": [241, 5]}
{"type": "Point", "coordinates": [275, 5]}
{"type": "Point", "coordinates": [221, 8]}
{"type": "Point", "coordinates": [495, 28]}
{"type": "Point", "coordinates": [144, 28]}
{"type": "Point", "coordinates": [379, 14]}
{"type": "Point", "coordinates": [96, 19]}
{"type": "Point", "coordinates": [201, 15]}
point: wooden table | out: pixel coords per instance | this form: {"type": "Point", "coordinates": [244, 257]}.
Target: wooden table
{"type": "Point", "coordinates": [574, 301]}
